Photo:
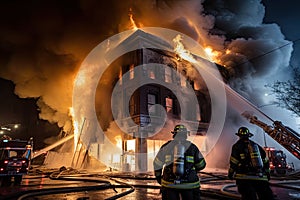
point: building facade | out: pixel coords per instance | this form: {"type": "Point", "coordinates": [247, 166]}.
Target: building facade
{"type": "Point", "coordinates": [150, 91]}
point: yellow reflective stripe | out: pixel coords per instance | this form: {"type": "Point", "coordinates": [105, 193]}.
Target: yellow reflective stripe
{"type": "Point", "coordinates": [168, 158]}
{"type": "Point", "coordinates": [234, 160]}
{"type": "Point", "coordinates": [181, 185]}
{"type": "Point", "coordinates": [250, 177]}
{"type": "Point", "coordinates": [200, 164]}
{"type": "Point", "coordinates": [254, 154]}
{"type": "Point", "coordinates": [190, 159]}
{"type": "Point", "coordinates": [158, 162]}
{"type": "Point", "coordinates": [242, 156]}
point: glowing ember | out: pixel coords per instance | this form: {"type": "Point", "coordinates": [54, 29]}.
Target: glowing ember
{"type": "Point", "coordinates": [181, 51]}
{"type": "Point", "coordinates": [228, 51]}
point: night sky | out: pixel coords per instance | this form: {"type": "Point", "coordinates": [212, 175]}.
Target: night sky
{"type": "Point", "coordinates": [42, 44]}
{"type": "Point", "coordinates": [286, 15]}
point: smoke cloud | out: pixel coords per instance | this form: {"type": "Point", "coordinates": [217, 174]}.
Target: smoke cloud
{"type": "Point", "coordinates": [42, 44]}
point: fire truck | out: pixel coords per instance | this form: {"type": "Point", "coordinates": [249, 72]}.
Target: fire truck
{"type": "Point", "coordinates": [278, 163]}
{"type": "Point", "coordinates": [15, 159]}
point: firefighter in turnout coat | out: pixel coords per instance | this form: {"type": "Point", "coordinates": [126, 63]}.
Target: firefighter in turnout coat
{"type": "Point", "coordinates": [176, 166]}
{"type": "Point", "coordinates": [249, 166]}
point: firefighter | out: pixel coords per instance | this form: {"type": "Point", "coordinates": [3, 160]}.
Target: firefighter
{"type": "Point", "coordinates": [176, 166]}
{"type": "Point", "coordinates": [249, 166]}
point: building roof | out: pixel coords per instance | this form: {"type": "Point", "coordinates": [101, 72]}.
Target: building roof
{"type": "Point", "coordinates": [140, 39]}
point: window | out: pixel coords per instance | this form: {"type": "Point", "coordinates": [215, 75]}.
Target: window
{"type": "Point", "coordinates": [169, 105]}
{"type": "Point", "coordinates": [132, 106]}
{"type": "Point", "coordinates": [131, 71]}
{"type": "Point", "coordinates": [197, 85]}
{"type": "Point", "coordinates": [183, 78]}
{"type": "Point", "coordinates": [192, 113]}
{"type": "Point", "coordinates": [198, 115]}
{"type": "Point", "coordinates": [151, 73]}
{"type": "Point", "coordinates": [120, 76]}
{"type": "Point", "coordinates": [183, 81]}
{"type": "Point", "coordinates": [151, 103]}
{"type": "Point", "coordinates": [168, 74]}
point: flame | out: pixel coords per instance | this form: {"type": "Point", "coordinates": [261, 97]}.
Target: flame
{"type": "Point", "coordinates": [209, 51]}
{"type": "Point", "coordinates": [118, 141]}
{"type": "Point", "coordinates": [181, 51]}
{"type": "Point", "coordinates": [213, 55]}
{"type": "Point", "coordinates": [75, 126]}
{"type": "Point", "coordinates": [74, 123]}
{"type": "Point", "coordinates": [130, 143]}
{"type": "Point", "coordinates": [132, 22]}
{"type": "Point", "coordinates": [228, 51]}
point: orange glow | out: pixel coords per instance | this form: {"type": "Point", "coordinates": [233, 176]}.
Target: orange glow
{"type": "Point", "coordinates": [132, 22]}
{"type": "Point", "coordinates": [118, 141]}
{"type": "Point", "coordinates": [209, 51]}
{"type": "Point", "coordinates": [131, 145]}
{"type": "Point", "coordinates": [75, 126]}
{"type": "Point", "coordinates": [80, 80]}
{"type": "Point", "coordinates": [228, 51]}
{"type": "Point", "coordinates": [181, 51]}
{"type": "Point", "coordinates": [214, 55]}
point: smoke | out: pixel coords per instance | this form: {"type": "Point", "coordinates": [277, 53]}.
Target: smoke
{"type": "Point", "coordinates": [255, 53]}
{"type": "Point", "coordinates": [42, 44]}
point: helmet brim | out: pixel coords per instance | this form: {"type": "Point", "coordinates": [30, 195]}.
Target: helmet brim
{"type": "Point", "coordinates": [174, 132]}
{"type": "Point", "coordinates": [248, 135]}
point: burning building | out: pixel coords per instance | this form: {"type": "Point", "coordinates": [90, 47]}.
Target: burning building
{"type": "Point", "coordinates": [149, 91]}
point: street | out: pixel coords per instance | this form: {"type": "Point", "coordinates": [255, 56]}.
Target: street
{"type": "Point", "coordinates": [70, 184]}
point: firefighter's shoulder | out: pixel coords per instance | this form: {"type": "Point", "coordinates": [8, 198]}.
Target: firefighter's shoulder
{"type": "Point", "coordinates": [165, 144]}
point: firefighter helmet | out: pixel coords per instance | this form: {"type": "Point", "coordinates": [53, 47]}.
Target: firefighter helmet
{"type": "Point", "coordinates": [243, 131]}
{"type": "Point", "coordinates": [180, 129]}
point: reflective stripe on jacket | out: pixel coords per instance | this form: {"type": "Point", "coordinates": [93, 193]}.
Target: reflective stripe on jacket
{"type": "Point", "coordinates": [250, 177]}
{"type": "Point", "coordinates": [180, 185]}
{"type": "Point", "coordinates": [193, 162]}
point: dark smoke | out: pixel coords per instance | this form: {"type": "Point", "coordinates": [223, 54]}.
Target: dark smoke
{"type": "Point", "coordinates": [42, 43]}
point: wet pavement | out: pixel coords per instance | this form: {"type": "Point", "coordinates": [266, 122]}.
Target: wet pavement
{"type": "Point", "coordinates": [52, 184]}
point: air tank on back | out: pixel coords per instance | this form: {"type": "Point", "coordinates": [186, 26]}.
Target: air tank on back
{"type": "Point", "coordinates": [255, 157]}
{"type": "Point", "coordinates": [178, 164]}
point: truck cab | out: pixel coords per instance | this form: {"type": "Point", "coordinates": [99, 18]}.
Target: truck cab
{"type": "Point", "coordinates": [278, 163]}
{"type": "Point", "coordinates": [15, 159]}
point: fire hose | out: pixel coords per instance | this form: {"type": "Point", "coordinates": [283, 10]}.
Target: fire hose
{"type": "Point", "coordinates": [104, 182]}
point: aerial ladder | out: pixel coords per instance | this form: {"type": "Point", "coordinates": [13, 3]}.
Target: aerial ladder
{"type": "Point", "coordinates": [284, 135]}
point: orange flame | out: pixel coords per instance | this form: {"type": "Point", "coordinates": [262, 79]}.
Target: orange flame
{"type": "Point", "coordinates": [132, 22]}
{"type": "Point", "coordinates": [75, 125]}
{"type": "Point", "coordinates": [181, 51]}
{"type": "Point", "coordinates": [213, 54]}
{"type": "Point", "coordinates": [118, 140]}
{"type": "Point", "coordinates": [71, 114]}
